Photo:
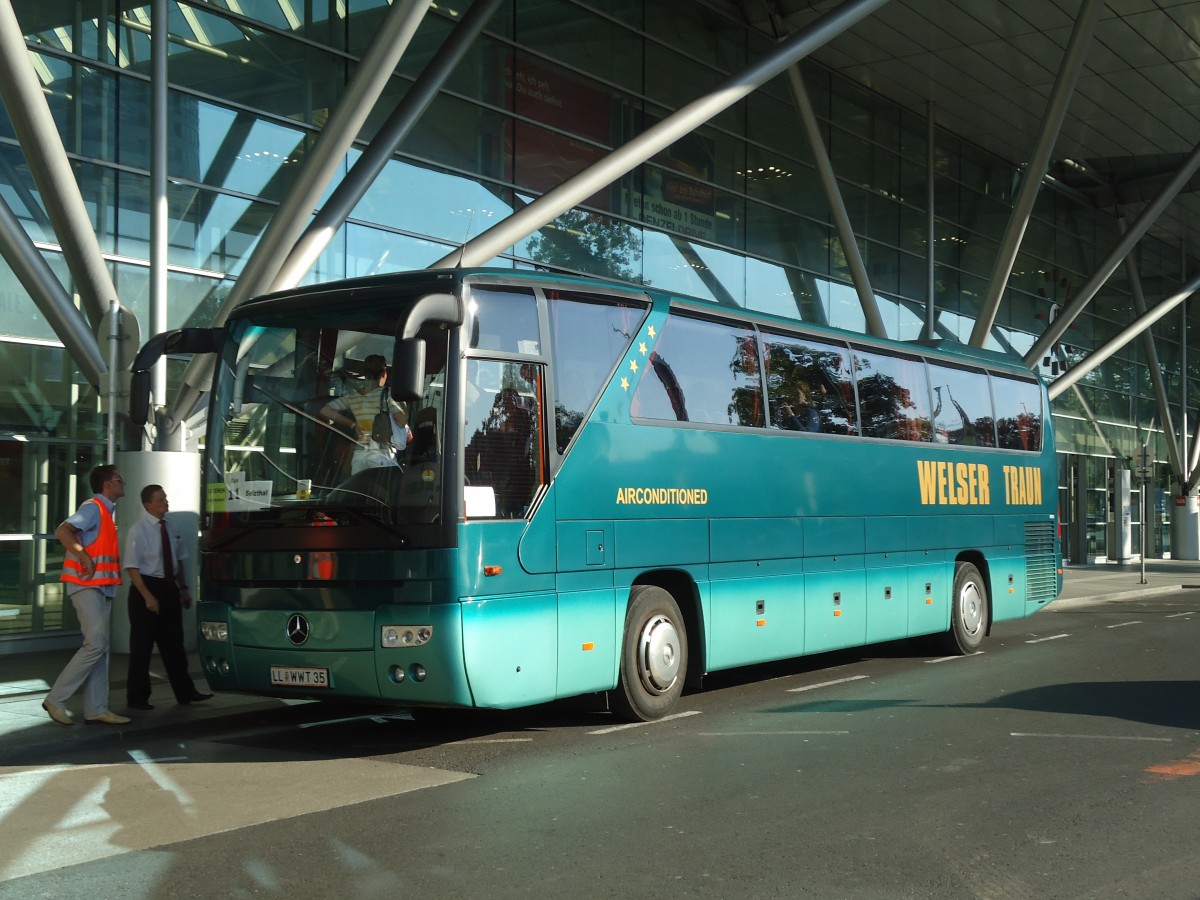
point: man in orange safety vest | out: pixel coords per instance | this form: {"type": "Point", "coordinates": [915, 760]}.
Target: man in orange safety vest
{"type": "Point", "coordinates": [91, 574]}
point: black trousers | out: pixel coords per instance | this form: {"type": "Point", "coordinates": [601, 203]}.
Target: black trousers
{"type": "Point", "coordinates": [164, 628]}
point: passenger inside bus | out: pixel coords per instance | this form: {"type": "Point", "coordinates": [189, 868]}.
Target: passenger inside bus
{"type": "Point", "coordinates": [800, 415]}
{"type": "Point", "coordinates": [500, 455]}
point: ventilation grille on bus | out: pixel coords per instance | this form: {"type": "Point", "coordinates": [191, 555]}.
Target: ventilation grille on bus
{"type": "Point", "coordinates": [1041, 578]}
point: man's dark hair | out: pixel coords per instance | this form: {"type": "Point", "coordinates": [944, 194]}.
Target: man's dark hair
{"type": "Point", "coordinates": [374, 365]}
{"type": "Point", "coordinates": [148, 492]}
{"type": "Point", "coordinates": [100, 476]}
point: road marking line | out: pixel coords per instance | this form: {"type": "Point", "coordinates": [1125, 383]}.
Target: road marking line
{"type": "Point", "coordinates": [627, 725]}
{"type": "Point", "coordinates": [488, 741]}
{"type": "Point", "coordinates": [1123, 624]}
{"type": "Point", "coordinates": [159, 774]}
{"type": "Point", "coordinates": [1053, 637]}
{"type": "Point", "coordinates": [1180, 615]}
{"type": "Point", "coordinates": [813, 687]}
{"type": "Point", "coordinates": [1091, 737]}
{"type": "Point", "coordinates": [760, 733]}
{"type": "Point", "coordinates": [942, 659]}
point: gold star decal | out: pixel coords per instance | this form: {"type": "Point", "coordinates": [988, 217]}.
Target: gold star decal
{"type": "Point", "coordinates": [642, 348]}
{"type": "Point", "coordinates": [633, 365]}
{"type": "Point", "coordinates": [650, 331]}
{"type": "Point", "coordinates": [624, 384]}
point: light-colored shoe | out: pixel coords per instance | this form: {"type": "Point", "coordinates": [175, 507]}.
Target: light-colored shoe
{"type": "Point", "coordinates": [108, 718]}
{"type": "Point", "coordinates": [58, 713]}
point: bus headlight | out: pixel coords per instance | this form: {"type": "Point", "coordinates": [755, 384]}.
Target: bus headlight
{"type": "Point", "coordinates": [405, 635]}
{"type": "Point", "coordinates": [214, 631]}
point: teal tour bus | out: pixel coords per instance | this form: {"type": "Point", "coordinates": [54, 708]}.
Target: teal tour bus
{"type": "Point", "coordinates": [576, 486]}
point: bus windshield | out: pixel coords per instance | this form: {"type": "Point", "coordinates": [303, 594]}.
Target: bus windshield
{"type": "Point", "coordinates": [305, 431]}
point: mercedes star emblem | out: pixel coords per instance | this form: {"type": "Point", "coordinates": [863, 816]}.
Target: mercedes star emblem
{"type": "Point", "coordinates": [297, 629]}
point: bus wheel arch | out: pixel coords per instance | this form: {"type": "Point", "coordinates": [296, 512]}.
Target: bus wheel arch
{"type": "Point", "coordinates": [970, 605]}
{"type": "Point", "coordinates": [654, 654]}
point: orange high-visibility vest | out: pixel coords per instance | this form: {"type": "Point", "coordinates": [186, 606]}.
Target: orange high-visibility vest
{"type": "Point", "coordinates": [103, 551]}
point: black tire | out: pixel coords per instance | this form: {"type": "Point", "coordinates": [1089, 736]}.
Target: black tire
{"type": "Point", "coordinates": [654, 657]}
{"type": "Point", "coordinates": [969, 611]}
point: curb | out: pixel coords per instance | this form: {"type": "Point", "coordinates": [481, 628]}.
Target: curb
{"type": "Point", "coordinates": [85, 736]}
{"type": "Point", "coordinates": [1118, 597]}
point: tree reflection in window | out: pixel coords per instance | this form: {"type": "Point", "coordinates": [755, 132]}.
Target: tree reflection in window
{"type": "Point", "coordinates": [1018, 413]}
{"type": "Point", "coordinates": [893, 395]}
{"type": "Point", "coordinates": [809, 386]}
{"type": "Point", "coordinates": [962, 407]}
{"type": "Point", "coordinates": [702, 371]}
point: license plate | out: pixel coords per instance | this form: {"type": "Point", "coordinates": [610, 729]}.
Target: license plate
{"type": "Point", "coordinates": [284, 676]}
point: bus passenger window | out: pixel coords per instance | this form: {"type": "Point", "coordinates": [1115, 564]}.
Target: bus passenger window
{"type": "Point", "coordinates": [1018, 413]}
{"type": "Point", "coordinates": [504, 318]}
{"type": "Point", "coordinates": [588, 335]}
{"type": "Point", "coordinates": [894, 395]}
{"type": "Point", "coordinates": [821, 373]}
{"type": "Point", "coordinates": [962, 407]}
{"type": "Point", "coordinates": [702, 371]}
{"type": "Point", "coordinates": [503, 447]}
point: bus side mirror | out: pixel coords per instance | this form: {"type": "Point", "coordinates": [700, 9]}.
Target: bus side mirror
{"type": "Point", "coordinates": [408, 356]}
{"type": "Point", "coordinates": [408, 369]}
{"type": "Point", "coordinates": [181, 340]}
{"type": "Point", "coordinates": [139, 397]}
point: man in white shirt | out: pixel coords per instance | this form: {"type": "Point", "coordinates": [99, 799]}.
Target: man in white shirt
{"type": "Point", "coordinates": [154, 555]}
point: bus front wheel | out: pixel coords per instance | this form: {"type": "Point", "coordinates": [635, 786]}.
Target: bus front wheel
{"type": "Point", "coordinates": [968, 611]}
{"type": "Point", "coordinates": [653, 657]}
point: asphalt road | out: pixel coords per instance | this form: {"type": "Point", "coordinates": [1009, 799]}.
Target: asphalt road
{"type": "Point", "coordinates": [1060, 762]}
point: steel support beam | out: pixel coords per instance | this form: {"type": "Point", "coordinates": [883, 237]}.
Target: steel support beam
{"type": "Point", "coordinates": [930, 224]}
{"type": "Point", "coordinates": [370, 79]}
{"type": "Point", "coordinates": [683, 121]}
{"type": "Point", "coordinates": [50, 297]}
{"type": "Point", "coordinates": [46, 156]}
{"type": "Point", "coordinates": [159, 215]}
{"type": "Point", "coordinates": [1156, 375]}
{"type": "Point", "coordinates": [1090, 414]}
{"type": "Point", "coordinates": [1136, 327]}
{"type": "Point", "coordinates": [375, 157]}
{"type": "Point", "coordinates": [692, 257]}
{"type": "Point", "coordinates": [1056, 111]}
{"type": "Point", "coordinates": [1140, 226]}
{"type": "Point", "coordinates": [837, 206]}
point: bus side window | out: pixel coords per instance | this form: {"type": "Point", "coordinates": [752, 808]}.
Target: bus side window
{"type": "Point", "coordinates": [702, 371]}
{"type": "Point", "coordinates": [503, 452]}
{"type": "Point", "coordinates": [962, 407]}
{"type": "Point", "coordinates": [893, 392]}
{"type": "Point", "coordinates": [822, 372]}
{"type": "Point", "coordinates": [1018, 413]}
{"type": "Point", "coordinates": [588, 335]}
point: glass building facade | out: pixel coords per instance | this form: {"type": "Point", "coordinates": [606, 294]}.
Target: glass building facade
{"type": "Point", "coordinates": [734, 211]}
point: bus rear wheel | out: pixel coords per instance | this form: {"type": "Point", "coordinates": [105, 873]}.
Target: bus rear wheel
{"type": "Point", "coordinates": [968, 611]}
{"type": "Point", "coordinates": [654, 656]}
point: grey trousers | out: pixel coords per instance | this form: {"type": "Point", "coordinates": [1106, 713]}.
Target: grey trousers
{"type": "Point", "coordinates": [89, 666]}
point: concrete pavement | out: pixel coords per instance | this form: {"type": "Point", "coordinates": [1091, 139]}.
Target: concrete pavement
{"type": "Point", "coordinates": [26, 730]}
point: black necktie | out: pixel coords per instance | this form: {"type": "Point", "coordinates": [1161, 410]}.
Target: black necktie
{"type": "Point", "coordinates": [168, 557]}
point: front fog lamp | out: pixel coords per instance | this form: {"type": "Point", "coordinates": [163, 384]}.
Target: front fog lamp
{"type": "Point", "coordinates": [405, 635]}
{"type": "Point", "coordinates": [214, 631]}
